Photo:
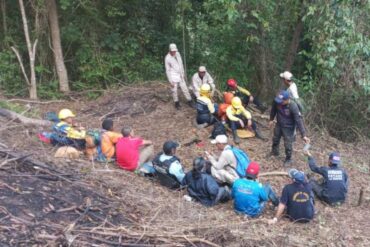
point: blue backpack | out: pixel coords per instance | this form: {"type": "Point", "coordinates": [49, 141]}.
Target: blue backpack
{"type": "Point", "coordinates": [242, 161]}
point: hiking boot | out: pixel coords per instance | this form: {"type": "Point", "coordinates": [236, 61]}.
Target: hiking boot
{"type": "Point", "coordinates": [273, 153]}
{"type": "Point", "coordinates": [177, 105]}
{"type": "Point", "coordinates": [288, 162]}
{"type": "Point", "coordinates": [191, 103]}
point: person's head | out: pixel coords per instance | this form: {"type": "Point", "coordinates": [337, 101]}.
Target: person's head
{"type": "Point", "coordinates": [236, 102]}
{"type": "Point", "coordinates": [198, 166]}
{"type": "Point", "coordinates": [205, 90]}
{"type": "Point", "coordinates": [282, 98]}
{"type": "Point", "coordinates": [220, 141]}
{"type": "Point", "coordinates": [287, 77]}
{"type": "Point", "coordinates": [334, 159]}
{"type": "Point", "coordinates": [202, 71]}
{"type": "Point", "coordinates": [169, 148]}
{"type": "Point", "coordinates": [231, 83]}
{"type": "Point", "coordinates": [107, 124]}
{"type": "Point", "coordinates": [127, 131]}
{"type": "Point", "coordinates": [66, 115]}
{"type": "Point", "coordinates": [252, 170]}
{"type": "Point", "coordinates": [228, 97]}
{"type": "Point", "coordinates": [297, 176]}
{"type": "Point", "coordinates": [173, 49]}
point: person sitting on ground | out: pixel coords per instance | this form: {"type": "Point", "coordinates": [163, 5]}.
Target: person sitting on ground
{"type": "Point", "coordinates": [132, 153]}
{"type": "Point", "coordinates": [66, 131]}
{"type": "Point", "coordinates": [205, 107]}
{"type": "Point", "coordinates": [202, 77]}
{"type": "Point", "coordinates": [239, 117]}
{"type": "Point", "coordinates": [223, 169]}
{"type": "Point", "coordinates": [167, 164]}
{"type": "Point", "coordinates": [249, 195]}
{"type": "Point", "coordinates": [203, 187]}
{"type": "Point", "coordinates": [296, 199]}
{"type": "Point", "coordinates": [333, 189]}
{"type": "Point", "coordinates": [244, 95]}
{"type": "Point", "coordinates": [109, 138]}
{"type": "Point", "coordinates": [228, 96]}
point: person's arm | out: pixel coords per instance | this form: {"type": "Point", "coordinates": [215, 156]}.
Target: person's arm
{"type": "Point", "coordinates": [230, 114]}
{"type": "Point", "coordinates": [243, 91]}
{"type": "Point", "coordinates": [282, 206]}
{"type": "Point", "coordinates": [221, 162]}
{"type": "Point", "coordinates": [74, 133]}
{"type": "Point", "coordinates": [195, 84]}
{"type": "Point", "coordinates": [298, 118]}
{"type": "Point", "coordinates": [211, 106]}
{"type": "Point", "coordinates": [273, 111]}
{"type": "Point", "coordinates": [313, 166]}
{"type": "Point", "coordinates": [262, 193]}
{"type": "Point", "coordinates": [177, 170]}
{"type": "Point", "coordinates": [211, 188]}
{"type": "Point", "coordinates": [114, 137]}
{"type": "Point", "coordinates": [179, 60]}
{"type": "Point", "coordinates": [147, 142]}
{"type": "Point", "coordinates": [168, 68]}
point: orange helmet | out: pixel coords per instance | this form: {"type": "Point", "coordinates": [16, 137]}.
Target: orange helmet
{"type": "Point", "coordinates": [228, 96]}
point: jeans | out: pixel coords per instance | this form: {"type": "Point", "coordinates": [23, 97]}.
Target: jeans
{"type": "Point", "coordinates": [223, 195]}
{"type": "Point", "coordinates": [206, 118]}
{"type": "Point", "coordinates": [288, 135]}
{"type": "Point", "coordinates": [271, 194]}
{"type": "Point", "coordinates": [234, 125]}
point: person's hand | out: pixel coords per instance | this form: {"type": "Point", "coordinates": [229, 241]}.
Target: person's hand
{"type": "Point", "coordinates": [307, 153]}
{"type": "Point", "coordinates": [306, 139]}
{"type": "Point", "coordinates": [271, 124]}
{"type": "Point", "coordinates": [251, 99]}
{"type": "Point", "coordinates": [272, 221]}
{"type": "Point", "coordinates": [207, 155]}
{"type": "Point", "coordinates": [241, 123]}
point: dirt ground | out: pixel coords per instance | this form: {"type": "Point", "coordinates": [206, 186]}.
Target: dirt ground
{"type": "Point", "coordinates": [81, 203]}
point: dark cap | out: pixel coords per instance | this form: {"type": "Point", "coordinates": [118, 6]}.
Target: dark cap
{"type": "Point", "coordinates": [169, 145]}
{"type": "Point", "coordinates": [283, 95]}
{"type": "Point", "coordinates": [296, 175]}
{"type": "Point", "coordinates": [334, 158]}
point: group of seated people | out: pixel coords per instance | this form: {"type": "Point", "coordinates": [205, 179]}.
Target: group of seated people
{"type": "Point", "coordinates": [213, 178]}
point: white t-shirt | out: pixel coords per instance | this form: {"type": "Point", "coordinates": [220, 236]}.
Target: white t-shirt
{"type": "Point", "coordinates": [293, 91]}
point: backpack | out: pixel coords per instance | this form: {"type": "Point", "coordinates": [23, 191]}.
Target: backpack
{"type": "Point", "coordinates": [242, 161]}
{"type": "Point", "coordinates": [218, 129]}
{"type": "Point", "coordinates": [162, 169]}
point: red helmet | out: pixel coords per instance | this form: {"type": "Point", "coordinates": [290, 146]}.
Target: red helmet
{"type": "Point", "coordinates": [232, 83]}
{"type": "Point", "coordinates": [253, 169]}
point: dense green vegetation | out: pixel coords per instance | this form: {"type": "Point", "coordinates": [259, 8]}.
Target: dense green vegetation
{"type": "Point", "coordinates": [326, 44]}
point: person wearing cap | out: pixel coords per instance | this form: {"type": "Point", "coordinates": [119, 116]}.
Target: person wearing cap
{"type": "Point", "coordinates": [333, 189]}
{"type": "Point", "coordinates": [200, 78]}
{"type": "Point", "coordinates": [239, 118]}
{"type": "Point", "coordinates": [205, 107]}
{"type": "Point", "coordinates": [169, 162]}
{"type": "Point", "coordinates": [249, 195]}
{"type": "Point", "coordinates": [296, 200]}
{"type": "Point", "coordinates": [288, 117]}
{"type": "Point", "coordinates": [244, 95]}
{"type": "Point", "coordinates": [176, 75]}
{"type": "Point", "coordinates": [202, 187]}
{"type": "Point", "coordinates": [223, 168]}
{"type": "Point", "coordinates": [291, 87]}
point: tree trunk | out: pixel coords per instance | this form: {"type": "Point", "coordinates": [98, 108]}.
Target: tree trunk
{"type": "Point", "coordinates": [31, 52]}
{"type": "Point", "coordinates": [57, 47]}
{"type": "Point", "coordinates": [3, 13]}
{"type": "Point", "coordinates": [22, 119]}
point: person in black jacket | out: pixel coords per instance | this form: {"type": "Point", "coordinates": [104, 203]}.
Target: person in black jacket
{"type": "Point", "coordinates": [333, 189]}
{"type": "Point", "coordinates": [288, 117]}
{"type": "Point", "coordinates": [203, 187]}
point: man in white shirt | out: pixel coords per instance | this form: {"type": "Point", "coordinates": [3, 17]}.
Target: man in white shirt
{"type": "Point", "coordinates": [200, 78]}
{"type": "Point", "coordinates": [291, 87]}
{"type": "Point", "coordinates": [176, 75]}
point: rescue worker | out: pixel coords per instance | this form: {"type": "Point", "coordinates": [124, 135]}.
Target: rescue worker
{"type": "Point", "coordinates": [333, 189]}
{"type": "Point", "coordinates": [296, 199]}
{"type": "Point", "coordinates": [223, 168]}
{"type": "Point", "coordinates": [291, 87]}
{"type": "Point", "coordinates": [203, 187]}
{"type": "Point", "coordinates": [288, 118]}
{"type": "Point", "coordinates": [176, 75]}
{"type": "Point", "coordinates": [200, 78]}
{"type": "Point", "coordinates": [108, 141]}
{"type": "Point", "coordinates": [244, 95]}
{"type": "Point", "coordinates": [205, 107]}
{"type": "Point", "coordinates": [249, 195]}
{"type": "Point", "coordinates": [240, 118]}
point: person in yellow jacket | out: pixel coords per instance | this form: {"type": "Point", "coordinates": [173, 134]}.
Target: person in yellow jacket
{"type": "Point", "coordinates": [205, 108]}
{"type": "Point", "coordinates": [240, 118]}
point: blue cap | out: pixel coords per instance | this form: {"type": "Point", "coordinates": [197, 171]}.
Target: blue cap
{"type": "Point", "coordinates": [334, 158]}
{"type": "Point", "coordinates": [283, 95]}
{"type": "Point", "coordinates": [296, 175]}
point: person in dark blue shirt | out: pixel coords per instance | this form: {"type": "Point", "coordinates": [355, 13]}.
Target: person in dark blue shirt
{"type": "Point", "coordinates": [333, 189]}
{"type": "Point", "coordinates": [296, 199]}
{"type": "Point", "coordinates": [250, 196]}
{"type": "Point", "coordinates": [203, 187]}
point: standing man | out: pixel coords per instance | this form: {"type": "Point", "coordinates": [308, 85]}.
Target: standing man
{"type": "Point", "coordinates": [176, 75]}
{"type": "Point", "coordinates": [291, 87]}
{"type": "Point", "coordinates": [288, 118]}
{"type": "Point", "coordinates": [200, 78]}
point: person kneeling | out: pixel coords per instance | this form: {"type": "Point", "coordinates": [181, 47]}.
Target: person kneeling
{"type": "Point", "coordinates": [250, 196]}
{"type": "Point", "coordinates": [205, 107]}
{"type": "Point", "coordinates": [203, 187]}
{"type": "Point", "coordinates": [168, 167]}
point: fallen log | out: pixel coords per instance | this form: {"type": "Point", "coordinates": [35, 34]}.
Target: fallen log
{"type": "Point", "coordinates": [268, 174]}
{"type": "Point", "coordinates": [22, 119]}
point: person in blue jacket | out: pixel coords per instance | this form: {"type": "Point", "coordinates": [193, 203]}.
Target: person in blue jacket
{"type": "Point", "coordinates": [203, 187]}
{"type": "Point", "coordinates": [249, 195]}
{"type": "Point", "coordinates": [333, 189]}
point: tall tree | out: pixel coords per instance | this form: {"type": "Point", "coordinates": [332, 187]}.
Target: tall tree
{"type": "Point", "coordinates": [57, 47]}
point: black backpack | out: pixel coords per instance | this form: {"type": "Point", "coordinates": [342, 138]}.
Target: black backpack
{"type": "Point", "coordinates": [163, 174]}
{"type": "Point", "coordinates": [218, 129]}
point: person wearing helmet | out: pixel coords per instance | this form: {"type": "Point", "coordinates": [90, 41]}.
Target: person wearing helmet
{"type": "Point", "coordinates": [291, 87]}
{"type": "Point", "coordinates": [296, 199]}
{"type": "Point", "coordinates": [333, 189]}
{"type": "Point", "coordinates": [176, 75]}
{"type": "Point", "coordinates": [244, 95]}
{"type": "Point", "coordinates": [202, 187]}
{"type": "Point", "coordinates": [205, 107]}
{"type": "Point", "coordinates": [249, 195]}
{"type": "Point", "coordinates": [200, 78]}
{"type": "Point", "coordinates": [67, 133]}
{"type": "Point", "coordinates": [239, 117]}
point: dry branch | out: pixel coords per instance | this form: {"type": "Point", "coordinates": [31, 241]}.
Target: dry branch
{"type": "Point", "coordinates": [22, 119]}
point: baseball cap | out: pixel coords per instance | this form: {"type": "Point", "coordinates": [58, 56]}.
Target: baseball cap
{"type": "Point", "coordinates": [202, 69]}
{"type": "Point", "coordinates": [296, 175]}
{"type": "Point", "coordinates": [283, 95]}
{"type": "Point", "coordinates": [220, 139]}
{"type": "Point", "coordinates": [169, 145]}
{"type": "Point", "coordinates": [286, 75]}
{"type": "Point", "coordinates": [334, 158]}
{"type": "Point", "coordinates": [252, 170]}
{"type": "Point", "coordinates": [173, 47]}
